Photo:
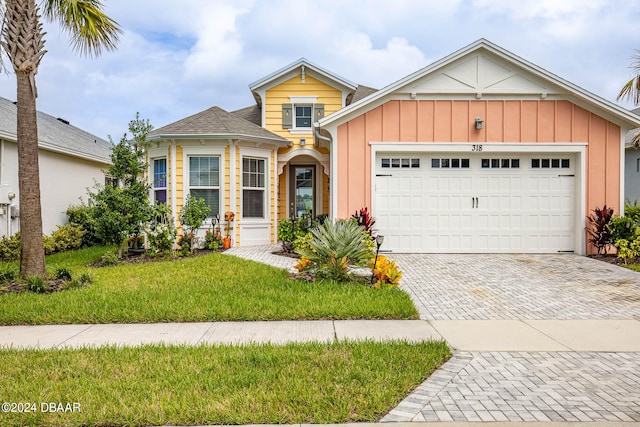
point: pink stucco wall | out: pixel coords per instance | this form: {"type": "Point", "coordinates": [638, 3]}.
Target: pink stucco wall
{"type": "Point", "coordinates": [453, 121]}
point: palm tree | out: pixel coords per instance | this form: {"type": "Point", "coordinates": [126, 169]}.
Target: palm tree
{"type": "Point", "coordinates": [22, 38]}
{"type": "Point", "coordinates": [631, 92]}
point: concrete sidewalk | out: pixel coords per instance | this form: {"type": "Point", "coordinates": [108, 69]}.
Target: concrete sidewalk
{"type": "Point", "coordinates": [462, 335]}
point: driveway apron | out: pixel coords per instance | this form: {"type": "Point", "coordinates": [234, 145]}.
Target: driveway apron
{"type": "Point", "coordinates": [478, 386]}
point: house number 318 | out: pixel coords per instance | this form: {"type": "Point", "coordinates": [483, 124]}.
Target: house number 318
{"type": "Point", "coordinates": [476, 147]}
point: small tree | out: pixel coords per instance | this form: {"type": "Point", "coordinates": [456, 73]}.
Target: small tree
{"type": "Point", "coordinates": [121, 210]}
{"type": "Point", "coordinates": [194, 212]}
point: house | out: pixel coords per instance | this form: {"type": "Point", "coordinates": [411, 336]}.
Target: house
{"type": "Point", "coordinates": [632, 167]}
{"type": "Point", "coordinates": [481, 151]}
{"type": "Point", "coordinates": [70, 159]}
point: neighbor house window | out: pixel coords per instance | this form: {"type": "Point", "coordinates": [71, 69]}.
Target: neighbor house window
{"type": "Point", "coordinates": [204, 181]}
{"type": "Point", "coordinates": [160, 180]}
{"type": "Point", "coordinates": [253, 187]}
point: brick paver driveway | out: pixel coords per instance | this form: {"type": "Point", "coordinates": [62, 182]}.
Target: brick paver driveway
{"type": "Point", "coordinates": [495, 286]}
{"type": "Point", "coordinates": [519, 386]}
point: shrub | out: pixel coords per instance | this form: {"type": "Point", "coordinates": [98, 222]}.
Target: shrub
{"type": "Point", "coordinates": [109, 258]}
{"type": "Point", "coordinates": [7, 275]}
{"type": "Point", "coordinates": [337, 246]}
{"type": "Point", "coordinates": [622, 228]}
{"type": "Point", "coordinates": [194, 212]}
{"type": "Point", "coordinates": [161, 233]}
{"type": "Point", "coordinates": [185, 241]}
{"type": "Point", "coordinates": [292, 230]}
{"type": "Point", "coordinates": [10, 247]}
{"type": "Point", "coordinates": [83, 216]}
{"type": "Point", "coordinates": [85, 278]}
{"type": "Point", "coordinates": [386, 272]}
{"type": "Point", "coordinates": [213, 239]}
{"type": "Point", "coordinates": [600, 222]}
{"type": "Point", "coordinates": [66, 237]}
{"type": "Point", "coordinates": [632, 211]}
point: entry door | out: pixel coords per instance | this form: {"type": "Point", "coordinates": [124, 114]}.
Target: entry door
{"type": "Point", "coordinates": [302, 190]}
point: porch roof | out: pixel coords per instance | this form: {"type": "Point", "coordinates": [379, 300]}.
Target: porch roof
{"type": "Point", "coordinates": [216, 123]}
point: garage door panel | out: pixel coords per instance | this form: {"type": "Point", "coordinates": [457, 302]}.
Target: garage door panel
{"type": "Point", "coordinates": [477, 209]}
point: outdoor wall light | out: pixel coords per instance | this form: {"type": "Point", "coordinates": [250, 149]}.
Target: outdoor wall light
{"type": "Point", "coordinates": [479, 123]}
{"type": "Point", "coordinates": [303, 141]}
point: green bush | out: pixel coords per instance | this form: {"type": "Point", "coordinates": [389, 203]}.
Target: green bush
{"type": "Point", "coordinates": [622, 228]}
{"type": "Point", "coordinates": [83, 216]}
{"type": "Point", "coordinates": [62, 273]}
{"type": "Point", "coordinates": [632, 211]}
{"type": "Point", "coordinates": [336, 247]}
{"type": "Point", "coordinates": [292, 230]}
{"type": "Point", "coordinates": [10, 247]}
{"type": "Point", "coordinates": [65, 238]}
{"type": "Point", "coordinates": [109, 258]}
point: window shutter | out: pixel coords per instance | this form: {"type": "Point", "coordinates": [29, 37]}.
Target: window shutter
{"type": "Point", "coordinates": [287, 116]}
{"type": "Point", "coordinates": [318, 111]}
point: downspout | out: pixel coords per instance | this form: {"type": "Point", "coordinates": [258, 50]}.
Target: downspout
{"type": "Point", "coordinates": [174, 187]}
{"type": "Point", "coordinates": [333, 210]}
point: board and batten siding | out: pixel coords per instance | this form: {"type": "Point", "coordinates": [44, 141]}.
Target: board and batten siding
{"type": "Point", "coordinates": [542, 121]}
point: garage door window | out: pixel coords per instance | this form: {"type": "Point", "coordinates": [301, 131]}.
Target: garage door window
{"type": "Point", "coordinates": [500, 163]}
{"type": "Point", "coordinates": [550, 163]}
{"type": "Point", "coordinates": [400, 162]}
{"type": "Point", "coordinates": [450, 163]}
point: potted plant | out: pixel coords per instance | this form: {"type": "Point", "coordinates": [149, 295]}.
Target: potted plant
{"type": "Point", "coordinates": [226, 241]}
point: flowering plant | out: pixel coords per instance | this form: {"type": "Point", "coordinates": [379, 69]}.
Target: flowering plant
{"type": "Point", "coordinates": [229, 217]}
{"type": "Point", "coordinates": [212, 239]}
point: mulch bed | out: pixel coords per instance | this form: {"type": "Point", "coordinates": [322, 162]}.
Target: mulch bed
{"type": "Point", "coordinates": [613, 259]}
{"type": "Point", "coordinates": [55, 285]}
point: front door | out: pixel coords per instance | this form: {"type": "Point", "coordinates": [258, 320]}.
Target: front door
{"type": "Point", "coordinates": [302, 194]}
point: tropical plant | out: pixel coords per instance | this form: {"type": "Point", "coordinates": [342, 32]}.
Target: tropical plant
{"type": "Point", "coordinates": [386, 272]}
{"type": "Point", "coordinates": [600, 223]}
{"type": "Point", "coordinates": [336, 247]}
{"type": "Point", "coordinates": [365, 220]}
{"type": "Point", "coordinates": [22, 39]}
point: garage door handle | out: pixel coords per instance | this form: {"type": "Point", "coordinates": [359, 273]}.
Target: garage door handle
{"type": "Point", "coordinates": [379, 174]}
{"type": "Point", "coordinates": [474, 202]}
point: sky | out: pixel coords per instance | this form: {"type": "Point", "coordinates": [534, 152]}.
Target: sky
{"type": "Point", "coordinates": [175, 59]}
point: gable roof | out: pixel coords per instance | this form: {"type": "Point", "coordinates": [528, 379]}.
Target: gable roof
{"type": "Point", "coordinates": [216, 123]}
{"type": "Point", "coordinates": [56, 135]}
{"type": "Point", "coordinates": [540, 82]}
{"type": "Point", "coordinates": [291, 70]}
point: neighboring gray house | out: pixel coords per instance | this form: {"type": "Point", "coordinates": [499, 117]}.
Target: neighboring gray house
{"type": "Point", "coordinates": [71, 160]}
{"type": "Point", "coordinates": [632, 167]}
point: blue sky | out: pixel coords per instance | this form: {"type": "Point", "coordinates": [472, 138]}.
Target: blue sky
{"type": "Point", "coordinates": [176, 59]}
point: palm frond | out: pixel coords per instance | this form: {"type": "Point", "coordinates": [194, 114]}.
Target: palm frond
{"type": "Point", "coordinates": [631, 90]}
{"type": "Point", "coordinates": [90, 28]}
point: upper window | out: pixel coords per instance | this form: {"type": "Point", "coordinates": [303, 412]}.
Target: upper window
{"type": "Point", "coordinates": [160, 180]}
{"type": "Point", "coordinates": [397, 162]}
{"type": "Point", "coordinates": [301, 113]}
{"type": "Point", "coordinates": [253, 187]}
{"type": "Point", "coordinates": [450, 163]}
{"type": "Point", "coordinates": [204, 181]}
{"type": "Point", "coordinates": [500, 163]}
{"type": "Point", "coordinates": [550, 163]}
{"type": "Point", "coordinates": [303, 116]}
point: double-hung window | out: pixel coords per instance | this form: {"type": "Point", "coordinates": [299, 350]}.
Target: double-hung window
{"type": "Point", "coordinates": [160, 181]}
{"type": "Point", "coordinates": [303, 116]}
{"type": "Point", "coordinates": [253, 187]}
{"type": "Point", "coordinates": [204, 181]}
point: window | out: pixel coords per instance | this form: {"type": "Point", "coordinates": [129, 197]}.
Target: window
{"type": "Point", "coordinates": [500, 163]}
{"type": "Point", "coordinates": [160, 181]}
{"type": "Point", "coordinates": [404, 163]}
{"type": "Point", "coordinates": [438, 163]}
{"type": "Point", "coordinates": [303, 116]}
{"type": "Point", "coordinates": [204, 181]}
{"type": "Point", "coordinates": [253, 187]}
{"type": "Point", "coordinates": [550, 163]}
{"type": "Point", "coordinates": [301, 113]}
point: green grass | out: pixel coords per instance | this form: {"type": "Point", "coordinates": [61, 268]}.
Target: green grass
{"type": "Point", "coordinates": [214, 287]}
{"type": "Point", "coordinates": [158, 385]}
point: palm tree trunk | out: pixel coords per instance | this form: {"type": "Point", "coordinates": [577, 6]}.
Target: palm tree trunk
{"type": "Point", "coordinates": [31, 244]}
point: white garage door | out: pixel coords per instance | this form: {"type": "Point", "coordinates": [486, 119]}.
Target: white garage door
{"type": "Point", "coordinates": [475, 203]}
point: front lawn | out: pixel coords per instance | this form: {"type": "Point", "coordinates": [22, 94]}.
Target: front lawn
{"type": "Point", "coordinates": [213, 287]}
{"type": "Point", "coordinates": [158, 385]}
